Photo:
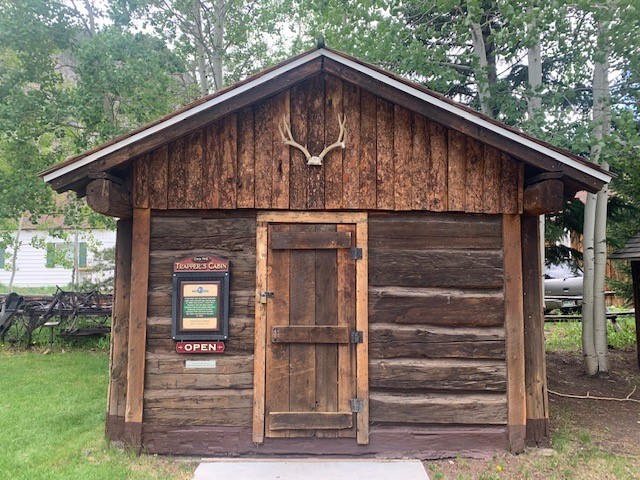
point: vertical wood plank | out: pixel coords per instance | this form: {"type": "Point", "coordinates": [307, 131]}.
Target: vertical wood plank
{"type": "Point", "coordinates": [333, 161]}
{"type": "Point", "coordinates": [520, 188]}
{"type": "Point", "coordinates": [298, 183]}
{"type": "Point", "coordinates": [212, 167]}
{"type": "Point", "coordinates": [158, 181]}
{"type": "Point", "coordinates": [362, 324]}
{"type": "Point", "coordinates": [281, 163]}
{"type": "Point", "coordinates": [246, 173]}
{"type": "Point", "coordinates": [177, 175]}
{"type": "Point", "coordinates": [368, 149]}
{"type": "Point", "coordinates": [514, 331]}
{"type": "Point", "coordinates": [492, 184]}
{"type": "Point", "coordinates": [509, 178]}
{"type": "Point", "coordinates": [456, 171]}
{"type": "Point", "coordinates": [277, 354]}
{"type": "Point", "coordinates": [635, 278]}
{"type": "Point", "coordinates": [326, 314]}
{"type": "Point", "coordinates": [263, 153]}
{"type": "Point", "coordinates": [438, 173]}
{"type": "Point", "coordinates": [351, 156]}
{"type": "Point", "coordinates": [384, 156]}
{"type": "Point", "coordinates": [535, 368]}
{"type": "Point", "coordinates": [420, 163]}
{"type": "Point", "coordinates": [229, 164]}
{"type": "Point", "coordinates": [347, 318]}
{"type": "Point", "coordinates": [475, 177]}
{"type": "Point", "coordinates": [402, 155]}
{"type": "Point", "coordinates": [302, 308]}
{"type": "Point", "coordinates": [140, 194]}
{"type": "Point", "coordinates": [194, 165]}
{"type": "Point", "coordinates": [116, 399]}
{"type": "Point", "coordinates": [316, 126]}
{"type": "Point", "coordinates": [260, 335]}
{"type": "Point", "coordinates": [137, 326]}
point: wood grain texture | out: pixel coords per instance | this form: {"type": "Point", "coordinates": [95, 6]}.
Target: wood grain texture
{"type": "Point", "coordinates": [316, 141]}
{"type": "Point", "coordinates": [212, 171]}
{"type": "Point", "coordinates": [229, 159]}
{"type": "Point", "coordinates": [368, 150]}
{"type": "Point", "coordinates": [246, 166]}
{"type": "Point", "coordinates": [492, 193]}
{"type": "Point", "coordinates": [310, 334]}
{"type": "Point", "coordinates": [140, 187]}
{"type": "Point", "coordinates": [351, 163]}
{"type": "Point", "coordinates": [456, 171]}
{"type": "Point", "coordinates": [362, 324]}
{"type": "Point", "coordinates": [259, 351]}
{"type": "Point", "coordinates": [310, 240]}
{"type": "Point", "coordinates": [438, 171]}
{"type": "Point", "coordinates": [194, 162]}
{"type": "Point", "coordinates": [299, 183]}
{"type": "Point", "coordinates": [420, 165]}
{"type": "Point", "coordinates": [263, 153]}
{"type": "Point", "coordinates": [158, 178]}
{"type": "Point", "coordinates": [534, 349]}
{"type": "Point", "coordinates": [281, 161]}
{"type": "Point", "coordinates": [402, 158]}
{"type": "Point", "coordinates": [510, 184]}
{"type": "Point", "coordinates": [137, 324]}
{"type": "Point", "coordinates": [514, 329]}
{"type": "Point", "coordinates": [475, 180]}
{"type": "Point", "coordinates": [333, 161]}
{"type": "Point", "coordinates": [116, 398]}
{"type": "Point", "coordinates": [310, 420]}
{"type": "Point", "coordinates": [385, 196]}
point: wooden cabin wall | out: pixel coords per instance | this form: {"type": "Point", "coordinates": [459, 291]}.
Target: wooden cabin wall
{"type": "Point", "coordinates": [436, 313]}
{"type": "Point", "coordinates": [394, 159]}
{"type": "Point", "coordinates": [179, 397]}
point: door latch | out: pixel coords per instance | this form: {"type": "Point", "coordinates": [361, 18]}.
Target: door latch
{"type": "Point", "coordinates": [265, 295]}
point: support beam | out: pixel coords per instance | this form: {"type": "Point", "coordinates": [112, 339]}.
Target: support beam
{"type": "Point", "coordinates": [514, 332]}
{"type": "Point", "coordinates": [544, 197]}
{"type": "Point", "coordinates": [109, 198]}
{"type": "Point", "coordinates": [535, 366]}
{"type": "Point", "coordinates": [137, 327]}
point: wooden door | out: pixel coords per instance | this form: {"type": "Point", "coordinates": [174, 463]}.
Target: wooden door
{"type": "Point", "coordinates": [314, 362]}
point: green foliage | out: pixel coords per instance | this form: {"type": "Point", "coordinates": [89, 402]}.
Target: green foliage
{"type": "Point", "coordinates": [567, 336]}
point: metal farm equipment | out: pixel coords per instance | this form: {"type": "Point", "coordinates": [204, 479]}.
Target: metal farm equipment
{"type": "Point", "coordinates": [76, 314]}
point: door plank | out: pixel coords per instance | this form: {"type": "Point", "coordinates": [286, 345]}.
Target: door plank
{"type": "Point", "coordinates": [302, 358]}
{"type": "Point", "coordinates": [259, 353]}
{"type": "Point", "coordinates": [362, 324]}
{"type": "Point", "coordinates": [310, 420]}
{"type": "Point", "coordinates": [309, 334]}
{"type": "Point", "coordinates": [327, 318]}
{"type": "Point", "coordinates": [310, 240]}
{"type": "Point", "coordinates": [346, 287]}
{"type": "Point", "coordinates": [277, 355]}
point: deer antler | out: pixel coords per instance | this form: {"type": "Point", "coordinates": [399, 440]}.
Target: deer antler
{"type": "Point", "coordinates": [312, 159]}
{"type": "Point", "coordinates": [337, 143]}
{"type": "Point", "coordinates": [288, 140]}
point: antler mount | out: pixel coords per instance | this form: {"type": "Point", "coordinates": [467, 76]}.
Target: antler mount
{"type": "Point", "coordinates": [287, 139]}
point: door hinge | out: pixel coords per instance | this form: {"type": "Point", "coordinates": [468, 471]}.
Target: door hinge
{"type": "Point", "coordinates": [356, 405]}
{"type": "Point", "coordinates": [355, 253]}
{"type": "Point", "coordinates": [265, 295]}
{"type": "Point", "coordinates": [357, 336]}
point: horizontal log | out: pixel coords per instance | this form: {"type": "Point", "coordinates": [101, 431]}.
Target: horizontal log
{"type": "Point", "coordinates": [109, 198]}
{"type": "Point", "coordinates": [309, 334]}
{"type": "Point", "coordinates": [544, 197]}
{"type": "Point", "coordinates": [431, 408]}
{"type": "Point", "coordinates": [197, 381]}
{"type": "Point", "coordinates": [309, 240]}
{"type": "Point", "coordinates": [180, 233]}
{"type": "Point", "coordinates": [232, 417]}
{"type": "Point", "coordinates": [211, 399]}
{"type": "Point", "coordinates": [310, 420]}
{"type": "Point", "coordinates": [435, 268]}
{"type": "Point", "coordinates": [436, 306]}
{"type": "Point", "coordinates": [425, 341]}
{"type": "Point", "coordinates": [438, 374]}
{"type": "Point", "coordinates": [432, 231]}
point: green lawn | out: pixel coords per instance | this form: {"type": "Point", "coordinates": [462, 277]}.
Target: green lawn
{"type": "Point", "coordinates": [52, 421]}
{"type": "Point", "coordinates": [567, 336]}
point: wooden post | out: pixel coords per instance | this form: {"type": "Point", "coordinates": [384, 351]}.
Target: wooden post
{"type": "Point", "coordinates": [260, 338]}
{"type": "Point", "coordinates": [514, 331]}
{"type": "Point", "coordinates": [362, 324]}
{"type": "Point", "coordinates": [535, 366]}
{"type": "Point", "coordinates": [119, 334]}
{"type": "Point", "coordinates": [635, 278]}
{"type": "Point", "coordinates": [137, 327]}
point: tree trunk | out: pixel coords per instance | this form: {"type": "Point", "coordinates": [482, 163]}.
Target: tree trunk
{"type": "Point", "coordinates": [481, 73]}
{"type": "Point", "coordinates": [201, 60]}
{"type": "Point", "coordinates": [588, 346]}
{"type": "Point", "coordinates": [14, 256]}
{"type": "Point", "coordinates": [220, 12]}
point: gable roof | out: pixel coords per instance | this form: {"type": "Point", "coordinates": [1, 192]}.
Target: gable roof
{"type": "Point", "coordinates": [631, 250]}
{"type": "Point", "coordinates": [75, 173]}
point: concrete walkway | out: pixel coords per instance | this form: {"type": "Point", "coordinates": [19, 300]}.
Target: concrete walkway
{"type": "Point", "coordinates": [310, 469]}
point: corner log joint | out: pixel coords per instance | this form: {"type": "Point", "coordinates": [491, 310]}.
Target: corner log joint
{"type": "Point", "coordinates": [544, 197]}
{"type": "Point", "coordinates": [109, 198]}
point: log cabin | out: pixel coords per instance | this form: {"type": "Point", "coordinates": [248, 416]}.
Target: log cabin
{"type": "Point", "coordinates": [377, 269]}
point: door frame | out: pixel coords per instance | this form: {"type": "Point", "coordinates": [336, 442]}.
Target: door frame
{"type": "Point", "coordinates": [362, 316]}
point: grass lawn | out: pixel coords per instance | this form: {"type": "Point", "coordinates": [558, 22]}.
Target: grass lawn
{"type": "Point", "coordinates": [52, 411]}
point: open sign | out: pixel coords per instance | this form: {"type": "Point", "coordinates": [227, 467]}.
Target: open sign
{"type": "Point", "coordinates": [200, 347]}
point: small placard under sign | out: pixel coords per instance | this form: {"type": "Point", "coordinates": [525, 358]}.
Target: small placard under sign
{"type": "Point", "coordinates": [200, 347]}
{"type": "Point", "coordinates": [199, 364]}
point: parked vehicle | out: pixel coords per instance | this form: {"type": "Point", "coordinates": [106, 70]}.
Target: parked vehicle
{"type": "Point", "coordinates": [563, 288]}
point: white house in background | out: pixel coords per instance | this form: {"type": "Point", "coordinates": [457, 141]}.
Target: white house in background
{"type": "Point", "coordinates": [37, 266]}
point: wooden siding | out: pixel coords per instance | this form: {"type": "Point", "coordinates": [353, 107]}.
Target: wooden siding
{"type": "Point", "coordinates": [395, 159]}
{"type": "Point", "coordinates": [436, 306]}
{"type": "Point", "coordinates": [222, 395]}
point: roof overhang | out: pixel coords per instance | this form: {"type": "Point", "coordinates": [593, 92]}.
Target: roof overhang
{"type": "Point", "coordinates": [75, 173]}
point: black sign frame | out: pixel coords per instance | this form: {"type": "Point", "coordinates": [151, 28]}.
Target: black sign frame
{"type": "Point", "coordinates": [221, 280]}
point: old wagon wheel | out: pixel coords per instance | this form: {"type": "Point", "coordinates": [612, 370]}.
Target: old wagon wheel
{"type": "Point", "coordinates": [17, 333]}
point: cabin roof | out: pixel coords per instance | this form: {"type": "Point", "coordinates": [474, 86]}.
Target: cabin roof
{"type": "Point", "coordinates": [631, 250]}
{"type": "Point", "coordinates": [76, 172]}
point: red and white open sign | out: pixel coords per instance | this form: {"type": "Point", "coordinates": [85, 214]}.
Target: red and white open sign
{"type": "Point", "coordinates": [200, 347]}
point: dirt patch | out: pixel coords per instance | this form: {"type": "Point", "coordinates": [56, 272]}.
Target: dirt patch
{"type": "Point", "coordinates": [592, 439]}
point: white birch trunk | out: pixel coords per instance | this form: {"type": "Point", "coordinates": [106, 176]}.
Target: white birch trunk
{"type": "Point", "coordinates": [201, 60]}
{"type": "Point", "coordinates": [14, 256]}
{"type": "Point", "coordinates": [220, 12]}
{"type": "Point", "coordinates": [588, 346]}
{"type": "Point", "coordinates": [479, 50]}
